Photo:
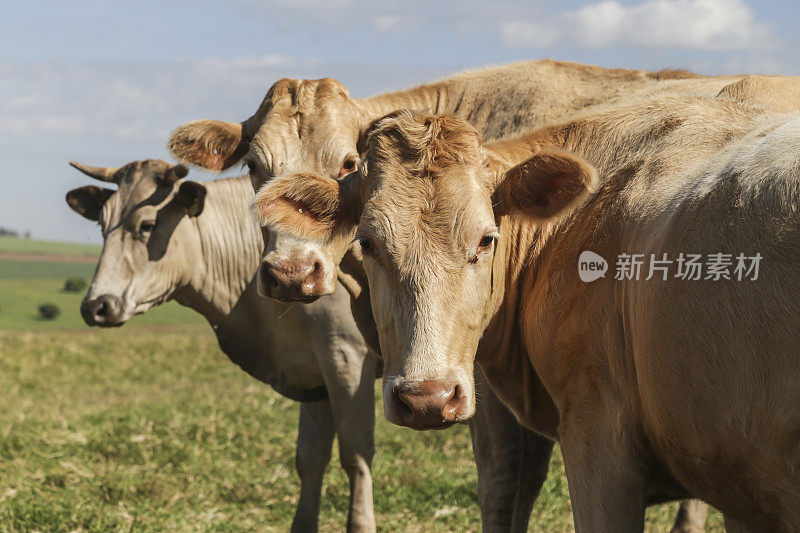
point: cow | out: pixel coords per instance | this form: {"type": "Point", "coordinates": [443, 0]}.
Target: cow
{"type": "Point", "coordinates": [314, 125]}
{"type": "Point", "coordinates": [659, 385]}
{"type": "Point", "coordinates": [169, 238]}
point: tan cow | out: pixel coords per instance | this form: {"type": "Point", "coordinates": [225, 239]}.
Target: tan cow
{"type": "Point", "coordinates": [659, 385]}
{"type": "Point", "coordinates": [167, 238]}
{"type": "Point", "coordinates": [314, 125]}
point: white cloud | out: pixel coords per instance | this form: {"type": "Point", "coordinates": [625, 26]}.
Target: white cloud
{"type": "Point", "coordinates": [715, 25]}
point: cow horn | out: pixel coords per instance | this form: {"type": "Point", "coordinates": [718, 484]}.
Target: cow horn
{"type": "Point", "coordinates": [100, 173]}
{"type": "Point", "coordinates": [175, 173]}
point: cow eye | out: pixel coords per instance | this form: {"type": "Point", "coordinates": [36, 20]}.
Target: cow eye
{"type": "Point", "coordinates": [147, 226]}
{"type": "Point", "coordinates": [484, 245]}
{"type": "Point", "coordinates": [366, 246]}
{"type": "Point", "coordinates": [349, 165]}
{"type": "Point", "coordinates": [486, 241]}
{"type": "Point", "coordinates": [251, 167]}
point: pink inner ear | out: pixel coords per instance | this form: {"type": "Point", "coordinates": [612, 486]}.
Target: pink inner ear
{"type": "Point", "coordinates": [292, 217]}
{"type": "Point", "coordinates": [208, 159]}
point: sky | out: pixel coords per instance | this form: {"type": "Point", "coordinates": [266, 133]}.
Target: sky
{"type": "Point", "coordinates": [104, 82]}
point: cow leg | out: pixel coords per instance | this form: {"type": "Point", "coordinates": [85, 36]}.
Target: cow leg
{"type": "Point", "coordinates": [691, 517]}
{"type": "Point", "coordinates": [606, 479]}
{"type": "Point", "coordinates": [314, 442]}
{"type": "Point", "coordinates": [536, 454]}
{"type": "Point", "coordinates": [512, 463]}
{"type": "Point", "coordinates": [353, 404]}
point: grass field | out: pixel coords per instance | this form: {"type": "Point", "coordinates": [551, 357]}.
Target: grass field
{"type": "Point", "coordinates": [118, 430]}
{"type": "Point", "coordinates": [26, 284]}
{"type": "Point", "coordinates": [18, 269]}
{"type": "Point", "coordinates": [33, 246]}
{"type": "Point", "coordinates": [150, 428]}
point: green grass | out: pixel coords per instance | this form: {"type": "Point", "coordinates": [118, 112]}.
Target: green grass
{"type": "Point", "coordinates": [128, 430]}
{"type": "Point", "coordinates": [24, 285]}
{"type": "Point", "coordinates": [16, 269]}
{"type": "Point", "coordinates": [32, 246]}
{"type": "Point", "coordinates": [20, 300]}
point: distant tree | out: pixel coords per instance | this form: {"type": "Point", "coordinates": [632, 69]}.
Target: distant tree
{"type": "Point", "coordinates": [8, 232]}
{"type": "Point", "coordinates": [49, 311]}
{"type": "Point", "coordinates": [74, 285]}
{"type": "Point", "coordinates": [28, 235]}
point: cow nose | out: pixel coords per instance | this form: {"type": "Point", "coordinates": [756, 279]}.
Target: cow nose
{"type": "Point", "coordinates": [102, 311]}
{"type": "Point", "coordinates": [291, 280]}
{"type": "Point", "coordinates": [432, 404]}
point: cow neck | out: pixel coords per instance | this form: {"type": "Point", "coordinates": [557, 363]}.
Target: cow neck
{"type": "Point", "coordinates": [502, 101]}
{"type": "Point", "coordinates": [502, 353]}
{"type": "Point", "coordinates": [230, 244]}
{"type": "Point", "coordinates": [508, 350]}
{"type": "Point", "coordinates": [430, 97]}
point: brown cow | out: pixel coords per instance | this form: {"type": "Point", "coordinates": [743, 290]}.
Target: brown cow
{"type": "Point", "coordinates": [314, 125]}
{"type": "Point", "coordinates": [656, 387]}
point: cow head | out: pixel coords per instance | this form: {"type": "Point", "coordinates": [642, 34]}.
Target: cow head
{"type": "Point", "coordinates": [302, 125]}
{"type": "Point", "coordinates": [426, 208]}
{"type": "Point", "coordinates": [148, 239]}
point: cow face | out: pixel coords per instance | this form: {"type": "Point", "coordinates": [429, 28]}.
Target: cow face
{"type": "Point", "coordinates": [148, 239]}
{"type": "Point", "coordinates": [302, 125]}
{"type": "Point", "coordinates": [427, 208]}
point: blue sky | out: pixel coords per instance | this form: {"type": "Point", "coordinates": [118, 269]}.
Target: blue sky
{"type": "Point", "coordinates": [104, 82]}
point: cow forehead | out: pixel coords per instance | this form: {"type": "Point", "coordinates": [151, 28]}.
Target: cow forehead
{"type": "Point", "coordinates": [441, 224]}
{"type": "Point", "coordinates": [311, 133]}
{"type": "Point", "coordinates": [291, 104]}
{"type": "Point", "coordinates": [426, 143]}
{"type": "Point", "coordinates": [139, 186]}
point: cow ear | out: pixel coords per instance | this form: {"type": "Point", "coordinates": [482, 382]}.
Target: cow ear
{"type": "Point", "coordinates": [545, 186]}
{"type": "Point", "coordinates": [309, 206]}
{"type": "Point", "coordinates": [191, 197]}
{"type": "Point", "coordinates": [210, 144]}
{"type": "Point", "coordinates": [88, 201]}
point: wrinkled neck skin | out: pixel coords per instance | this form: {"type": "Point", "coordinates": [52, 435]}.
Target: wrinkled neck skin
{"type": "Point", "coordinates": [230, 248]}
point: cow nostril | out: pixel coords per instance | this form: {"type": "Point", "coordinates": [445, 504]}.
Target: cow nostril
{"type": "Point", "coordinates": [317, 266]}
{"type": "Point", "coordinates": [266, 275]}
{"type": "Point", "coordinates": [456, 394]}
{"type": "Point", "coordinates": [403, 408]}
{"type": "Point", "coordinates": [452, 402]}
{"type": "Point", "coordinates": [102, 309]}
